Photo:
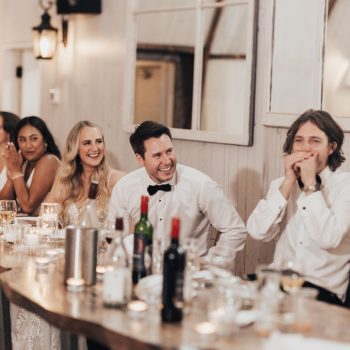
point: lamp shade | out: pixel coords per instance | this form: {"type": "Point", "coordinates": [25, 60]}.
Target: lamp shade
{"type": "Point", "coordinates": [44, 38]}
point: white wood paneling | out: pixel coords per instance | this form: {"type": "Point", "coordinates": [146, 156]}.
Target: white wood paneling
{"type": "Point", "coordinates": [296, 65]}
{"type": "Point", "coordinates": [90, 74]}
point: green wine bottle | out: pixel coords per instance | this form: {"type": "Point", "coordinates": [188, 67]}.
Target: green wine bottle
{"type": "Point", "coordinates": [143, 235]}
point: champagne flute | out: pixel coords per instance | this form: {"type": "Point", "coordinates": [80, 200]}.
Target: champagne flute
{"type": "Point", "coordinates": [8, 211]}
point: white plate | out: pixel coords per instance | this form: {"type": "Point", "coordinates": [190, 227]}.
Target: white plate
{"type": "Point", "coordinates": [245, 317]}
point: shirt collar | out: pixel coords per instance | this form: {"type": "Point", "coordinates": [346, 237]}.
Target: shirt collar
{"type": "Point", "coordinates": [149, 181]}
{"type": "Point", "coordinates": [325, 174]}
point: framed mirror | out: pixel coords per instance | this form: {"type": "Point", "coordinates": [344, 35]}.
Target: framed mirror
{"type": "Point", "coordinates": [192, 67]}
{"type": "Point", "coordinates": [336, 79]}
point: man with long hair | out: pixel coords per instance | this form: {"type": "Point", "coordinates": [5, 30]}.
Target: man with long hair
{"type": "Point", "coordinates": [309, 207]}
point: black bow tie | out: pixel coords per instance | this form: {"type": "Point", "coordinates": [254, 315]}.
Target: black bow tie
{"type": "Point", "coordinates": [154, 189]}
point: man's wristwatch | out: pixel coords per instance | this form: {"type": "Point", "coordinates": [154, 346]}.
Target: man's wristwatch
{"type": "Point", "coordinates": [312, 188]}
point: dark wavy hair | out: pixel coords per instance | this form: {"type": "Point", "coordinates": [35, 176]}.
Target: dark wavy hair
{"type": "Point", "coordinates": [9, 122]}
{"type": "Point", "coordinates": [39, 124]}
{"type": "Point", "coordinates": [145, 131]}
{"type": "Point", "coordinates": [328, 125]}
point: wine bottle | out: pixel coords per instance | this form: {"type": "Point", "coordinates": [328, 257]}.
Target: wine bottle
{"type": "Point", "coordinates": [173, 277]}
{"type": "Point", "coordinates": [143, 235]}
{"type": "Point", "coordinates": [117, 279]}
{"type": "Point", "coordinates": [89, 215]}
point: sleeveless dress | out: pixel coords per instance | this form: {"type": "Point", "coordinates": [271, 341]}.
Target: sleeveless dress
{"type": "Point", "coordinates": [28, 183]}
{"type": "Point", "coordinates": [28, 330]}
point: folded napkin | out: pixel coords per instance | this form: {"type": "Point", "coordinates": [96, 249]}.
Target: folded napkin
{"type": "Point", "coordinates": [278, 341]}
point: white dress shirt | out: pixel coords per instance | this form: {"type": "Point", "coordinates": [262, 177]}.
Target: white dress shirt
{"type": "Point", "coordinates": [195, 198]}
{"type": "Point", "coordinates": [315, 229]}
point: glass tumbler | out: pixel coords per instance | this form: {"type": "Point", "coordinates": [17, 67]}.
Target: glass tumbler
{"type": "Point", "coordinates": [49, 219]}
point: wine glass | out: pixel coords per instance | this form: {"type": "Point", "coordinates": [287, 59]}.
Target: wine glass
{"type": "Point", "coordinates": [8, 211]}
{"type": "Point", "coordinates": [291, 279]}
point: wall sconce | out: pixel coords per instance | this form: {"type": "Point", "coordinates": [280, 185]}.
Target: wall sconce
{"type": "Point", "coordinates": [45, 36]}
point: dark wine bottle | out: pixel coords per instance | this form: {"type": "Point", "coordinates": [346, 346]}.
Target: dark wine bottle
{"type": "Point", "coordinates": [143, 235]}
{"type": "Point", "coordinates": [173, 277]}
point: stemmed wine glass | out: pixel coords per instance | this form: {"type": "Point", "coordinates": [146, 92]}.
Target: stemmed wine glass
{"type": "Point", "coordinates": [8, 211]}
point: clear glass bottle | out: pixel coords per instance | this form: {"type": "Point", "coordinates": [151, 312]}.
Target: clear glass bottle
{"type": "Point", "coordinates": [89, 216]}
{"type": "Point", "coordinates": [117, 277]}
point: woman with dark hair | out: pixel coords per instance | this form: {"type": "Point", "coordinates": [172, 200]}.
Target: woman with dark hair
{"type": "Point", "coordinates": [32, 161]}
{"type": "Point", "coordinates": [8, 123]}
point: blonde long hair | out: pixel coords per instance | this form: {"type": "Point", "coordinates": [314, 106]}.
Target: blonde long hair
{"type": "Point", "coordinates": [69, 178]}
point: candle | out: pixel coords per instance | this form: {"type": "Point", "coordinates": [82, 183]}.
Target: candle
{"type": "Point", "coordinates": [42, 262]}
{"type": "Point", "coordinates": [206, 330]}
{"type": "Point", "coordinates": [75, 284]}
{"type": "Point", "coordinates": [224, 319]}
{"type": "Point", "coordinates": [137, 309]}
{"type": "Point", "coordinates": [52, 254]}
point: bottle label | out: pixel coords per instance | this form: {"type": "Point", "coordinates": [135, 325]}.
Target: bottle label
{"type": "Point", "coordinates": [179, 287]}
{"type": "Point", "coordinates": [114, 285]}
{"type": "Point", "coordinates": [140, 244]}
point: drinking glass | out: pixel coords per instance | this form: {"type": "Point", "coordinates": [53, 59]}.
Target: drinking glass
{"type": "Point", "coordinates": [49, 217]}
{"type": "Point", "coordinates": [223, 306]}
{"type": "Point", "coordinates": [302, 309]}
{"type": "Point", "coordinates": [8, 211]}
{"type": "Point", "coordinates": [221, 261]}
{"type": "Point", "coordinates": [192, 256]}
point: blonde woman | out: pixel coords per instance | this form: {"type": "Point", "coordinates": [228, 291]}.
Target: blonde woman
{"type": "Point", "coordinates": [84, 159]}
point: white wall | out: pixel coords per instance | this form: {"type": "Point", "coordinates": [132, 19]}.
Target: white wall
{"type": "Point", "coordinates": [90, 76]}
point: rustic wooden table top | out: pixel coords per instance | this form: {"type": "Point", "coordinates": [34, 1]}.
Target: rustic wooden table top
{"type": "Point", "coordinates": [43, 292]}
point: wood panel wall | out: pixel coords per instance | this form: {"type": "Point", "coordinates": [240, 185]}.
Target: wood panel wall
{"type": "Point", "coordinates": [90, 75]}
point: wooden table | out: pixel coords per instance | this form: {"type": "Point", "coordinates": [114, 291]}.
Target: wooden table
{"type": "Point", "coordinates": [43, 292]}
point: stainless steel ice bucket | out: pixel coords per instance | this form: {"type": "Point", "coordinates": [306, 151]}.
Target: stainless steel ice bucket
{"type": "Point", "coordinates": [81, 254]}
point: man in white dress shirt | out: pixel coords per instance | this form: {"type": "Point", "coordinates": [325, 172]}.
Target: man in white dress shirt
{"type": "Point", "coordinates": [310, 207]}
{"type": "Point", "coordinates": [188, 193]}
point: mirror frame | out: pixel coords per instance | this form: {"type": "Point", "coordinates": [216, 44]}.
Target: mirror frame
{"type": "Point", "coordinates": [194, 134]}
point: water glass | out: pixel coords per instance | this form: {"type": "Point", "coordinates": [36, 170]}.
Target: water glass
{"type": "Point", "coordinates": [268, 303]}
{"type": "Point", "coordinates": [301, 308]}
{"type": "Point", "coordinates": [192, 256]}
{"type": "Point", "coordinates": [49, 218]}
{"type": "Point", "coordinates": [223, 307]}
{"type": "Point", "coordinates": [222, 261]}
{"type": "Point", "coordinates": [31, 239]}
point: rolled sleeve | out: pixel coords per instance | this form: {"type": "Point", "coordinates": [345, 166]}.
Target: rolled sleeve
{"type": "Point", "coordinates": [263, 223]}
{"type": "Point", "coordinates": [223, 216]}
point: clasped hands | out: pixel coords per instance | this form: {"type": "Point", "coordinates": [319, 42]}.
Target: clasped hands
{"type": "Point", "coordinates": [299, 164]}
{"type": "Point", "coordinates": [13, 161]}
